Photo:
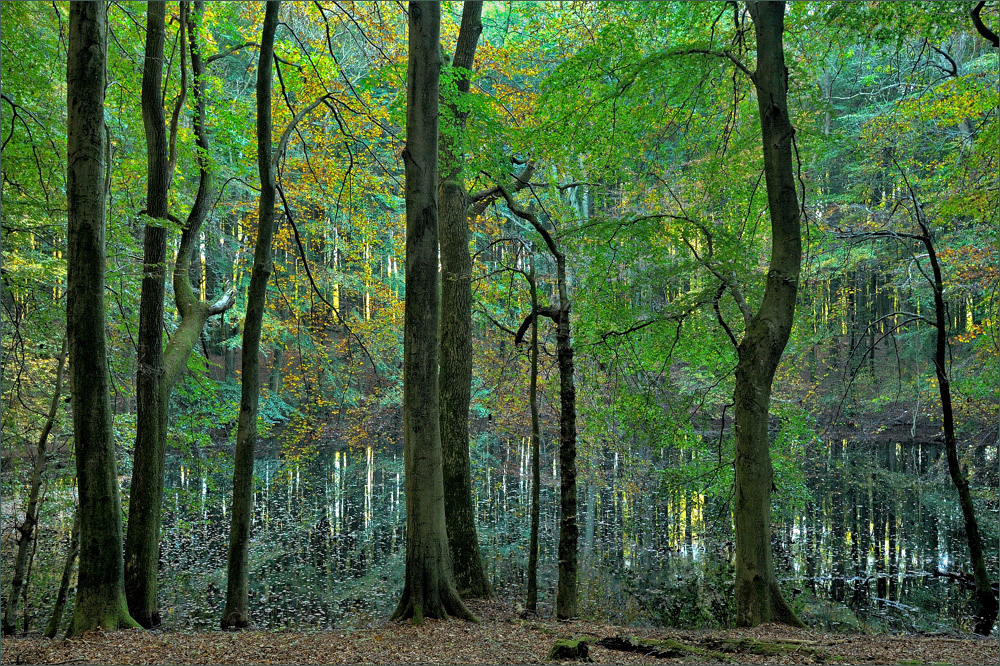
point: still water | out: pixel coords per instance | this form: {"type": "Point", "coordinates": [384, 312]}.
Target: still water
{"type": "Point", "coordinates": [863, 548]}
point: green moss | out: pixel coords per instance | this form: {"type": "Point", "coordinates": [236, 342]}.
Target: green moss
{"type": "Point", "coordinates": [570, 649]}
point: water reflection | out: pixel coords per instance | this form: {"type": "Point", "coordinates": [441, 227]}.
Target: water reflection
{"type": "Point", "coordinates": [866, 551]}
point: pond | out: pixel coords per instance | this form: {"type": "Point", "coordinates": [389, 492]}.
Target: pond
{"type": "Point", "coordinates": [872, 548]}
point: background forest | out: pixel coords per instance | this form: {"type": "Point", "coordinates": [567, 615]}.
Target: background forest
{"type": "Point", "coordinates": [619, 127]}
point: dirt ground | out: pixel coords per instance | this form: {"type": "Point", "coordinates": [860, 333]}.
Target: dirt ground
{"type": "Point", "coordinates": [501, 637]}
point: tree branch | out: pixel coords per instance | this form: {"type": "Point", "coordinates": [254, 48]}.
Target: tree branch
{"type": "Point", "coordinates": [981, 27]}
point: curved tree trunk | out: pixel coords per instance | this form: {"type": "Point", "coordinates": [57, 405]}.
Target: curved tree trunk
{"type": "Point", "coordinates": [236, 613]}
{"type": "Point", "coordinates": [27, 528]}
{"type": "Point", "coordinates": [758, 598]}
{"type": "Point", "coordinates": [985, 606]}
{"type": "Point", "coordinates": [456, 331]}
{"type": "Point", "coordinates": [100, 595]}
{"type": "Point", "coordinates": [429, 586]}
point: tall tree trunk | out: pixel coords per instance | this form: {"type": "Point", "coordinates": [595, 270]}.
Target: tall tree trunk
{"type": "Point", "coordinates": [27, 529]}
{"type": "Point", "coordinates": [455, 380]}
{"type": "Point", "coordinates": [100, 595]}
{"type": "Point", "coordinates": [143, 539]}
{"type": "Point", "coordinates": [532, 596]}
{"type": "Point", "coordinates": [985, 606]}
{"type": "Point", "coordinates": [236, 613]}
{"type": "Point", "coordinates": [429, 586]}
{"type": "Point", "coordinates": [758, 598]}
{"type": "Point", "coordinates": [67, 574]}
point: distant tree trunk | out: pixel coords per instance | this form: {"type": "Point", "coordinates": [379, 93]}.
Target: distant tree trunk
{"type": "Point", "coordinates": [532, 597]}
{"type": "Point", "coordinates": [985, 606]}
{"type": "Point", "coordinates": [456, 330]}
{"type": "Point", "coordinates": [758, 598]}
{"type": "Point", "coordinates": [100, 596]}
{"type": "Point", "coordinates": [429, 586]}
{"type": "Point", "coordinates": [26, 531]}
{"type": "Point", "coordinates": [67, 574]}
{"type": "Point", "coordinates": [236, 613]}
{"type": "Point", "coordinates": [568, 528]}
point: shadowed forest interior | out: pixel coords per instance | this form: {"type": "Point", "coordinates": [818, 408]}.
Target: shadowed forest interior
{"type": "Point", "coordinates": [672, 314]}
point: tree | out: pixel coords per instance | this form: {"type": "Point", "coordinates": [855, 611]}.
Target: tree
{"type": "Point", "coordinates": [455, 380]}
{"type": "Point", "coordinates": [162, 367]}
{"type": "Point", "coordinates": [429, 586]}
{"type": "Point", "coordinates": [758, 598]}
{"type": "Point", "coordinates": [531, 602]}
{"type": "Point", "coordinates": [236, 614]}
{"type": "Point", "coordinates": [100, 594]}
{"type": "Point", "coordinates": [26, 531]}
{"type": "Point", "coordinates": [568, 528]}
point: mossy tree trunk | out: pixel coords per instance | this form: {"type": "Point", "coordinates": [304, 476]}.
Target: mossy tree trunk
{"type": "Point", "coordinates": [236, 613]}
{"type": "Point", "coordinates": [100, 595]}
{"type": "Point", "coordinates": [429, 586]}
{"type": "Point", "coordinates": [142, 541]}
{"type": "Point", "coordinates": [758, 598]}
{"type": "Point", "coordinates": [455, 380]}
{"type": "Point", "coordinates": [26, 530]}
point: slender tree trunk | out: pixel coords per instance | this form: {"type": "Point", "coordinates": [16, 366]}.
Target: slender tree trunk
{"type": "Point", "coordinates": [532, 596]}
{"type": "Point", "coordinates": [456, 331]}
{"type": "Point", "coordinates": [27, 529]}
{"type": "Point", "coordinates": [143, 539]}
{"type": "Point", "coordinates": [236, 613]}
{"type": "Point", "coordinates": [67, 574]}
{"type": "Point", "coordinates": [758, 598]}
{"type": "Point", "coordinates": [984, 605]}
{"type": "Point", "coordinates": [568, 528]}
{"type": "Point", "coordinates": [429, 586]}
{"type": "Point", "coordinates": [100, 596]}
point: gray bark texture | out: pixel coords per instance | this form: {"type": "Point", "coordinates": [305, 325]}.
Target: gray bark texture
{"type": "Point", "coordinates": [429, 585]}
{"type": "Point", "coordinates": [758, 598]}
{"type": "Point", "coordinates": [456, 330]}
{"type": "Point", "coordinates": [236, 613]}
{"type": "Point", "coordinates": [100, 595]}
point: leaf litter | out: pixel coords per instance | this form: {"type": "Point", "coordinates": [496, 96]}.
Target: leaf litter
{"type": "Point", "coordinates": [502, 636]}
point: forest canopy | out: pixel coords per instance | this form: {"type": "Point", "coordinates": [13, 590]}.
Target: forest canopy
{"type": "Point", "coordinates": [680, 314]}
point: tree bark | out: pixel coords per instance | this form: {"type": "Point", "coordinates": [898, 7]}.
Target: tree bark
{"type": "Point", "coordinates": [67, 574]}
{"type": "Point", "coordinates": [758, 598]}
{"type": "Point", "coordinates": [456, 330]}
{"type": "Point", "coordinates": [100, 596]}
{"type": "Point", "coordinates": [143, 539]}
{"type": "Point", "coordinates": [429, 586]}
{"type": "Point", "coordinates": [27, 527]}
{"type": "Point", "coordinates": [985, 606]}
{"type": "Point", "coordinates": [568, 527]}
{"type": "Point", "coordinates": [236, 612]}
{"type": "Point", "coordinates": [531, 603]}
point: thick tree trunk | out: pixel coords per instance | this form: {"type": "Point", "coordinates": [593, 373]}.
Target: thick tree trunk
{"type": "Point", "coordinates": [27, 529]}
{"type": "Point", "coordinates": [143, 539]}
{"type": "Point", "coordinates": [429, 586]}
{"type": "Point", "coordinates": [456, 332]}
{"type": "Point", "coordinates": [531, 603]}
{"type": "Point", "coordinates": [758, 598]}
{"type": "Point", "coordinates": [236, 613]}
{"type": "Point", "coordinates": [100, 596]}
{"type": "Point", "coordinates": [67, 575]}
{"type": "Point", "coordinates": [985, 606]}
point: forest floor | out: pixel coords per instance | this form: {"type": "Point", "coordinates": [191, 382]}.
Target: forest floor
{"type": "Point", "coordinates": [501, 637]}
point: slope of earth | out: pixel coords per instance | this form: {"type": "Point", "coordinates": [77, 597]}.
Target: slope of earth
{"type": "Point", "coordinates": [501, 637]}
